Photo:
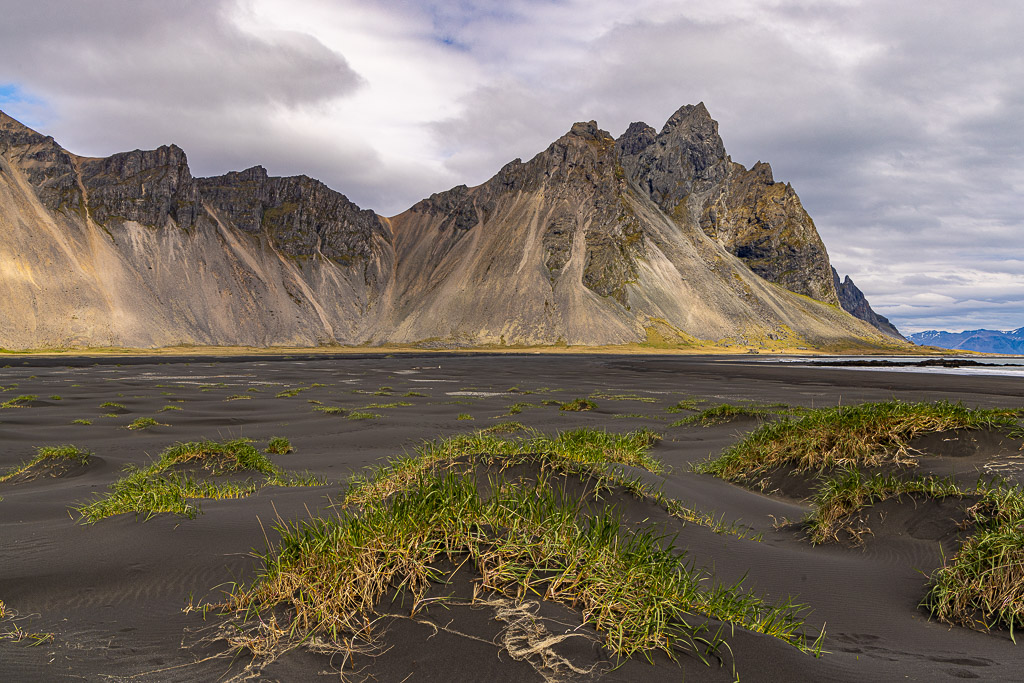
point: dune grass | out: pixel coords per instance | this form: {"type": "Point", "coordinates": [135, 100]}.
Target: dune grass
{"type": "Point", "coordinates": [567, 450]}
{"type": "Point", "coordinates": [982, 585]}
{"type": "Point", "coordinates": [49, 454]}
{"type": "Point", "coordinates": [140, 423]}
{"type": "Point", "coordinates": [727, 412]}
{"type": "Point", "coordinates": [278, 445]}
{"type": "Point", "coordinates": [578, 405]}
{"type": "Point", "coordinates": [18, 401]}
{"type": "Point", "coordinates": [363, 415]}
{"type": "Point", "coordinates": [331, 574]}
{"type": "Point", "coordinates": [840, 496]}
{"type": "Point", "coordinates": [869, 434]}
{"type": "Point", "coordinates": [162, 487]}
{"type": "Point", "coordinates": [329, 410]}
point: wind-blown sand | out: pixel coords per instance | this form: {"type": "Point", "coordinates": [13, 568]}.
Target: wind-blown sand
{"type": "Point", "coordinates": [112, 594]}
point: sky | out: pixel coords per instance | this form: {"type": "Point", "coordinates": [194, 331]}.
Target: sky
{"type": "Point", "coordinates": [899, 124]}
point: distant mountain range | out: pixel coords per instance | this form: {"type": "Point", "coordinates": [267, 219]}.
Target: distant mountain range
{"type": "Point", "coordinates": [985, 341]}
{"type": "Point", "coordinates": [656, 237]}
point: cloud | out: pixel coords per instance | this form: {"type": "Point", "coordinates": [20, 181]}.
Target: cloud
{"type": "Point", "coordinates": [899, 128]}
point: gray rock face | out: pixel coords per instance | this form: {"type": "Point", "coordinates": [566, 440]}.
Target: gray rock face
{"type": "Point", "coordinates": [684, 169]}
{"type": "Point", "coordinates": [301, 215]}
{"type": "Point", "coordinates": [652, 238]}
{"type": "Point", "coordinates": [47, 167]}
{"type": "Point", "coordinates": [148, 187]}
{"type": "Point", "coordinates": [853, 302]}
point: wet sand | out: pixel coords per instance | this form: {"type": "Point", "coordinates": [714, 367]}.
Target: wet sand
{"type": "Point", "coordinates": [112, 593]}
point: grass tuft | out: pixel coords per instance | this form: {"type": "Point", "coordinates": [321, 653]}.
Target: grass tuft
{"type": "Point", "coordinates": [46, 455]}
{"type": "Point", "coordinates": [325, 579]}
{"type": "Point", "coordinates": [18, 401]}
{"type": "Point", "coordinates": [728, 412]}
{"type": "Point", "coordinates": [578, 405]}
{"type": "Point", "coordinates": [143, 423]}
{"type": "Point", "coordinates": [869, 434]}
{"type": "Point", "coordinates": [166, 485]}
{"type": "Point", "coordinates": [279, 445]}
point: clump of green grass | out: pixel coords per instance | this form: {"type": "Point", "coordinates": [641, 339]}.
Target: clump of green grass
{"type": "Point", "coordinates": [869, 434]}
{"type": "Point", "coordinates": [504, 428]}
{"type": "Point", "coordinates": [289, 393]}
{"type": "Point", "coordinates": [361, 415]}
{"type": "Point", "coordinates": [570, 450]}
{"type": "Point", "coordinates": [55, 397]}
{"type": "Point", "coordinates": [416, 394]}
{"type": "Point", "coordinates": [81, 421]}
{"type": "Point", "coordinates": [517, 408]}
{"type": "Point", "coordinates": [982, 586]}
{"type": "Point", "coordinates": [623, 397]}
{"type": "Point", "coordinates": [279, 445]}
{"type": "Point", "coordinates": [49, 455]}
{"type": "Point", "coordinates": [169, 407]}
{"type": "Point", "coordinates": [840, 496]}
{"type": "Point", "coordinates": [111, 405]}
{"type": "Point", "coordinates": [163, 487]}
{"type": "Point", "coordinates": [143, 423]}
{"type": "Point", "coordinates": [727, 412]}
{"type": "Point", "coordinates": [395, 404]}
{"type": "Point", "coordinates": [18, 401]}
{"type": "Point", "coordinates": [464, 416]}
{"type": "Point", "coordinates": [685, 404]}
{"type": "Point", "coordinates": [578, 405]}
{"type": "Point", "coordinates": [384, 391]}
{"type": "Point", "coordinates": [328, 575]}
{"type": "Point", "coordinates": [240, 397]}
{"type": "Point", "coordinates": [329, 410]}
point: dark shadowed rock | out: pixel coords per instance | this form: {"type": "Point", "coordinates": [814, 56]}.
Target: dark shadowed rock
{"type": "Point", "coordinates": [148, 187]}
{"type": "Point", "coordinates": [301, 215]}
{"type": "Point", "coordinates": [854, 303]}
{"type": "Point", "coordinates": [685, 170]}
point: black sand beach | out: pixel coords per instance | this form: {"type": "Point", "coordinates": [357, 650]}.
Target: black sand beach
{"type": "Point", "coordinates": [112, 594]}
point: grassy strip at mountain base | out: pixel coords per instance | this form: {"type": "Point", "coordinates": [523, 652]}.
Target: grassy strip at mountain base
{"type": "Point", "coordinates": [162, 488]}
{"type": "Point", "coordinates": [869, 434]}
{"type": "Point", "coordinates": [46, 455]}
{"type": "Point", "coordinates": [325, 580]}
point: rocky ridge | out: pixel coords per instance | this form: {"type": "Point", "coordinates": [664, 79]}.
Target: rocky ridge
{"type": "Point", "coordinates": [653, 236]}
{"type": "Point", "coordinates": [854, 302]}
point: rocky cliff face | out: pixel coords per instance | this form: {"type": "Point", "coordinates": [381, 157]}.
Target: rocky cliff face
{"type": "Point", "coordinates": [853, 302]}
{"type": "Point", "coordinates": [604, 241]}
{"type": "Point", "coordinates": [131, 250]}
{"type": "Point", "coordinates": [684, 169]}
{"type": "Point", "coordinates": [654, 236]}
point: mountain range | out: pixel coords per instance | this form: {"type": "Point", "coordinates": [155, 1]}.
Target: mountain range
{"type": "Point", "coordinates": [985, 341]}
{"type": "Point", "coordinates": [656, 237]}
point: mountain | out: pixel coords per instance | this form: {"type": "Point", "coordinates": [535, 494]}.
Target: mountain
{"type": "Point", "coordinates": [656, 237]}
{"type": "Point", "coordinates": [985, 341]}
{"type": "Point", "coordinates": [853, 302]}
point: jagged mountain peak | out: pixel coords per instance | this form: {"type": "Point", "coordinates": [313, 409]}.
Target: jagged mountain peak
{"type": "Point", "coordinates": [592, 241]}
{"type": "Point", "coordinates": [853, 302]}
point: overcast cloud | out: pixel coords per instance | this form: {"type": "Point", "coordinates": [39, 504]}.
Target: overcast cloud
{"type": "Point", "coordinates": [900, 125]}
